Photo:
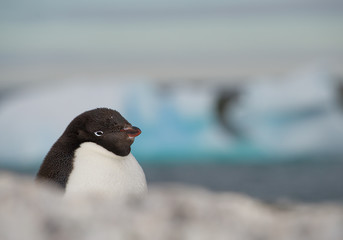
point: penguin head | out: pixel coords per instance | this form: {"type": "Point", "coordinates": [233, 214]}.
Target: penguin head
{"type": "Point", "coordinates": [105, 127]}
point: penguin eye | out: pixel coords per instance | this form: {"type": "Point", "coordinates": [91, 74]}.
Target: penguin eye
{"type": "Point", "coordinates": [98, 133]}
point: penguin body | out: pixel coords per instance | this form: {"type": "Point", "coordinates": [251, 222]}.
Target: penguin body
{"type": "Point", "coordinates": [93, 155]}
{"type": "Point", "coordinates": [100, 171]}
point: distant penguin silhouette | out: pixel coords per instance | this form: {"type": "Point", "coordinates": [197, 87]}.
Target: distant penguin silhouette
{"type": "Point", "coordinates": [226, 100]}
{"type": "Point", "coordinates": [93, 155]}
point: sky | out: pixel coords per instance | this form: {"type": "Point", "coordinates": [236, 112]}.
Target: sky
{"type": "Point", "coordinates": [54, 40]}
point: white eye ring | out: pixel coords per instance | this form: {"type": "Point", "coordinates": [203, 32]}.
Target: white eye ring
{"type": "Point", "coordinates": [98, 133]}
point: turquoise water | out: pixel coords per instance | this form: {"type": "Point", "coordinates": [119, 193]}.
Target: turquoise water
{"type": "Point", "coordinates": [297, 181]}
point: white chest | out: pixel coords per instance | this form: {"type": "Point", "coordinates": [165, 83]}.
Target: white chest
{"type": "Point", "coordinates": [99, 171]}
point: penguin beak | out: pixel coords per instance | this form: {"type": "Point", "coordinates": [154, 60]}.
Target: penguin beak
{"type": "Point", "coordinates": [131, 131]}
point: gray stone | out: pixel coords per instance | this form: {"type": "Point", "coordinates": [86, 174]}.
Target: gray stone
{"type": "Point", "coordinates": [169, 212]}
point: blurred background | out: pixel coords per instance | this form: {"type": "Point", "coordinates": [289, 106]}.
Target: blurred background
{"type": "Point", "coordinates": [242, 96]}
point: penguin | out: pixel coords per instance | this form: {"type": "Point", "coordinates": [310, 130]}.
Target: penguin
{"type": "Point", "coordinates": [93, 156]}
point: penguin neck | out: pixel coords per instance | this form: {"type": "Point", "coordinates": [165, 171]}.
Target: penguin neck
{"type": "Point", "coordinates": [93, 148]}
{"type": "Point", "coordinates": [66, 144]}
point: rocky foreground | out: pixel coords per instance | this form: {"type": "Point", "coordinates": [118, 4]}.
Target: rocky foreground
{"type": "Point", "coordinates": [169, 212]}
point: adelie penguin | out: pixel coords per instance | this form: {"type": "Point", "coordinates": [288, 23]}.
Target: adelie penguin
{"type": "Point", "coordinates": [93, 156]}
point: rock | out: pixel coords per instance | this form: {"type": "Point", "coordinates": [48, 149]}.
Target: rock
{"type": "Point", "coordinates": [168, 212]}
